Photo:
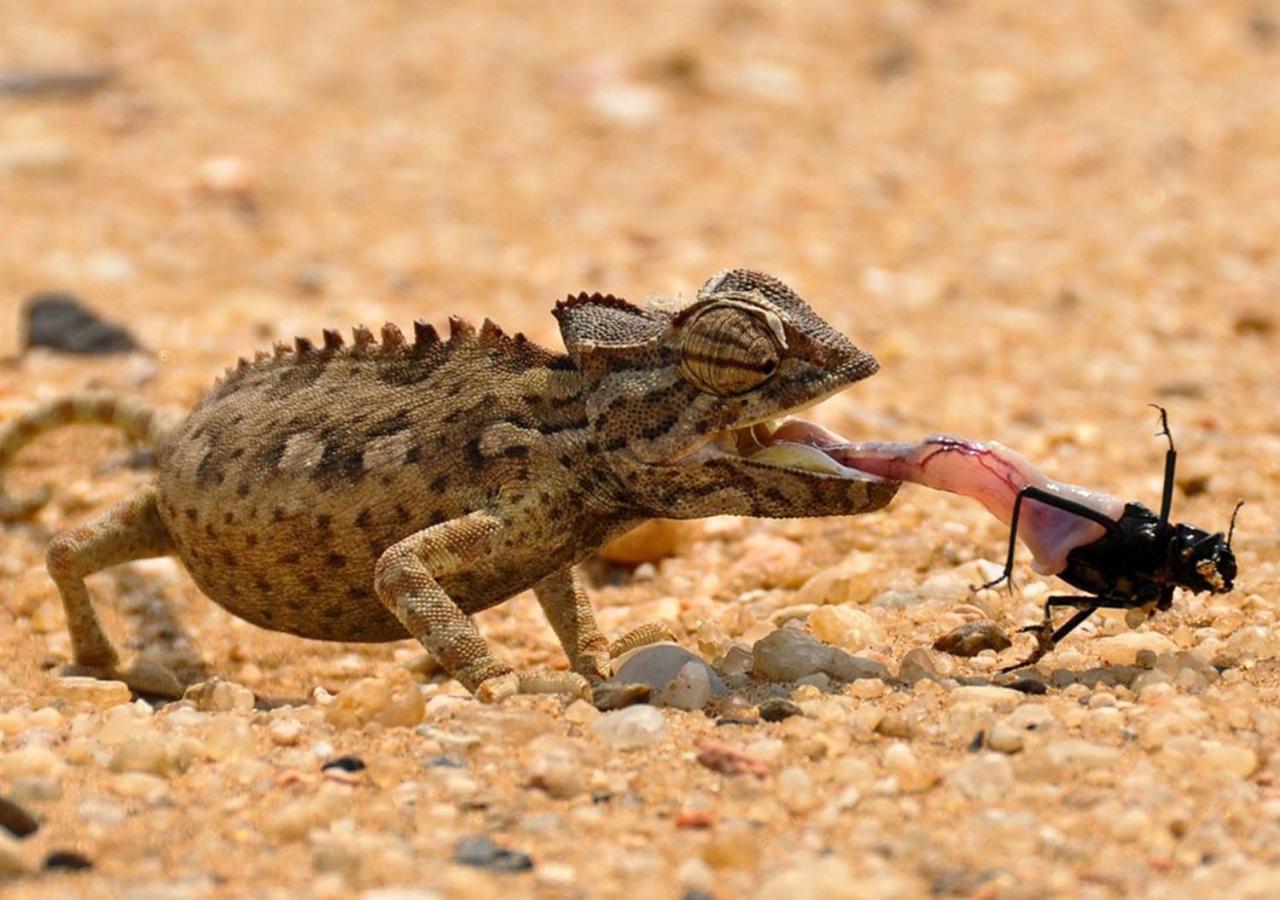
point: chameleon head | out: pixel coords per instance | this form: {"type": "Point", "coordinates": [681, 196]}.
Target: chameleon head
{"type": "Point", "coordinates": [692, 406]}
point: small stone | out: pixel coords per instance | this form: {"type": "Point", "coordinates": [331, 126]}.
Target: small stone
{"type": "Point", "coordinates": [984, 777]}
{"type": "Point", "coordinates": [99, 811]}
{"type": "Point", "coordinates": [737, 660]}
{"type": "Point", "coordinates": [36, 789]}
{"type": "Point", "coordinates": [391, 701]}
{"type": "Point", "coordinates": [1123, 649]}
{"type": "Point", "coordinates": [13, 861]}
{"type": "Point", "coordinates": [984, 695]}
{"type": "Point", "coordinates": [917, 664]}
{"type": "Point", "coordinates": [972, 638]}
{"type": "Point", "coordinates": [846, 627]}
{"type": "Point", "coordinates": [483, 853]}
{"type": "Point", "coordinates": [775, 709]}
{"type": "Point", "coordinates": [852, 581]}
{"type": "Point", "coordinates": [728, 760]}
{"type": "Point", "coordinates": [1233, 759]}
{"type": "Point", "coordinates": [63, 323]}
{"type": "Point", "coordinates": [139, 786]}
{"type": "Point", "coordinates": [345, 764]}
{"type": "Point", "coordinates": [649, 542]}
{"type": "Point", "coordinates": [788, 654]}
{"type": "Point", "coordinates": [285, 732]}
{"type": "Point", "coordinates": [555, 767]}
{"type": "Point", "coordinates": [1071, 754]}
{"type": "Point", "coordinates": [795, 790]}
{"type": "Point", "coordinates": [31, 762]}
{"type": "Point", "coordinates": [912, 776]}
{"type": "Point", "coordinates": [1006, 738]}
{"type": "Point", "coordinates": [216, 695]}
{"type": "Point", "coordinates": [66, 861]}
{"type": "Point", "coordinates": [226, 176]}
{"type": "Point", "coordinates": [91, 692]}
{"type": "Point", "coordinates": [896, 725]}
{"type": "Point", "coordinates": [228, 737]}
{"type": "Point", "coordinates": [844, 666]}
{"type": "Point", "coordinates": [556, 875]}
{"type": "Point", "coordinates": [732, 845]}
{"type": "Point", "coordinates": [632, 728]}
{"type": "Point", "coordinates": [146, 753]}
{"type": "Point", "coordinates": [581, 712]}
{"type": "Point", "coordinates": [16, 820]}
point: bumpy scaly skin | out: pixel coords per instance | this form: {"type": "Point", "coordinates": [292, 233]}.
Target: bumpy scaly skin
{"type": "Point", "coordinates": [391, 488]}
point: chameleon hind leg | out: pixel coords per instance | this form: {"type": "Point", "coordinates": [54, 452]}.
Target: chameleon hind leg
{"type": "Point", "coordinates": [130, 530]}
{"type": "Point", "coordinates": [405, 582]}
{"type": "Point", "coordinates": [568, 609]}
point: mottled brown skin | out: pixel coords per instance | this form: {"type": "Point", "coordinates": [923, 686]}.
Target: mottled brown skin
{"type": "Point", "coordinates": [391, 488]}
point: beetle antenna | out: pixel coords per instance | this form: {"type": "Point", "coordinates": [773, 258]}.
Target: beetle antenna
{"type": "Point", "coordinates": [1170, 462]}
{"type": "Point", "coordinates": [1232, 530]}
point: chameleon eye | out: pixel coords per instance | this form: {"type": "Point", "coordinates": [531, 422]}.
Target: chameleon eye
{"type": "Point", "coordinates": [728, 349]}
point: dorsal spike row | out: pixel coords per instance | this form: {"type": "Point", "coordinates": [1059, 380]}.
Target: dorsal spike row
{"type": "Point", "coordinates": [332, 341]}
{"type": "Point", "coordinates": [491, 333]}
{"type": "Point", "coordinates": [424, 335]}
{"type": "Point", "coordinates": [460, 329]}
{"type": "Point", "coordinates": [280, 349]}
{"type": "Point", "coordinates": [304, 346]}
{"type": "Point", "coordinates": [596, 299]}
{"type": "Point", "coordinates": [362, 339]}
{"type": "Point", "coordinates": [260, 356]}
{"type": "Point", "coordinates": [392, 337]}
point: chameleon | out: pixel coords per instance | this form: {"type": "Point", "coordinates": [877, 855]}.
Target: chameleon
{"type": "Point", "coordinates": [390, 488]}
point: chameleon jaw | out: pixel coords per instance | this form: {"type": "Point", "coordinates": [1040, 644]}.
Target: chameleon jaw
{"type": "Point", "coordinates": [790, 443]}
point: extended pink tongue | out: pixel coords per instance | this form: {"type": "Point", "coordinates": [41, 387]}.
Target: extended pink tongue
{"type": "Point", "coordinates": [798, 431]}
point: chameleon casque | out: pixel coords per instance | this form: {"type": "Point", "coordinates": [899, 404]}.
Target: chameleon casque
{"type": "Point", "coordinates": [387, 489]}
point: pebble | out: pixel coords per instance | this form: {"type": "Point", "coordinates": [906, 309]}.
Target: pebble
{"type": "Point", "coordinates": [13, 861]}
{"type": "Point", "coordinates": [62, 322]}
{"type": "Point", "coordinates": [1233, 759]}
{"type": "Point", "coordinates": [217, 695]}
{"type": "Point", "coordinates": [632, 728]}
{"type": "Point", "coordinates": [675, 676]}
{"type": "Point", "coordinates": [66, 861]}
{"type": "Point", "coordinates": [609, 696]}
{"type": "Point", "coordinates": [984, 777]}
{"type": "Point", "coordinates": [91, 692]}
{"type": "Point", "coordinates": [16, 820]}
{"type": "Point", "coordinates": [99, 811]}
{"type": "Point", "coordinates": [912, 776]}
{"type": "Point", "coordinates": [146, 753]}
{"type": "Point", "coordinates": [344, 764]}
{"type": "Point", "coordinates": [555, 767]}
{"type": "Point", "coordinates": [972, 638]}
{"type": "Point", "coordinates": [1006, 738]}
{"type": "Point", "coordinates": [846, 627]}
{"type": "Point", "coordinates": [789, 655]}
{"type": "Point", "coordinates": [729, 760]}
{"type": "Point", "coordinates": [1123, 649]}
{"type": "Point", "coordinates": [285, 732]}
{"type": "Point", "coordinates": [1071, 754]}
{"type": "Point", "coordinates": [649, 542]}
{"type": "Point", "coordinates": [33, 789]}
{"type": "Point", "coordinates": [391, 700]}
{"type": "Point", "coordinates": [776, 709]}
{"type": "Point", "coordinates": [139, 786]}
{"type": "Point", "coordinates": [483, 853]}
{"type": "Point", "coordinates": [31, 762]}
{"type": "Point", "coordinates": [851, 581]}
{"type": "Point", "coordinates": [795, 790]}
{"type": "Point", "coordinates": [228, 737]}
{"type": "Point", "coordinates": [732, 845]}
{"type": "Point", "coordinates": [917, 664]}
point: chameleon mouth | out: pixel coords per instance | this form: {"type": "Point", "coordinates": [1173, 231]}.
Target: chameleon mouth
{"type": "Point", "coordinates": [791, 443]}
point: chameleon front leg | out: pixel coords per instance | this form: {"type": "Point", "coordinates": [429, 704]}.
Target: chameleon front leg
{"type": "Point", "coordinates": [569, 611]}
{"type": "Point", "coordinates": [405, 582]}
{"type": "Point", "coordinates": [132, 529]}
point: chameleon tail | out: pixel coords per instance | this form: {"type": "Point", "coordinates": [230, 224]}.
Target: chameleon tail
{"type": "Point", "coordinates": [140, 421]}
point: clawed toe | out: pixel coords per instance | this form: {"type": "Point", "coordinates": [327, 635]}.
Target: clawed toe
{"type": "Point", "coordinates": [500, 687]}
{"type": "Point", "coordinates": [151, 679]}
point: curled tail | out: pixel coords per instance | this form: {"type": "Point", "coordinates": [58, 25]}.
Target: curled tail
{"type": "Point", "coordinates": [142, 422]}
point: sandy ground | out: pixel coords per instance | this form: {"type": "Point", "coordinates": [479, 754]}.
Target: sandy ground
{"type": "Point", "coordinates": [1040, 218]}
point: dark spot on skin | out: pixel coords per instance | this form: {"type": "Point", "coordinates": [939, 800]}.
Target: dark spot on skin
{"type": "Point", "coordinates": [364, 519]}
{"type": "Point", "coordinates": [324, 521]}
{"type": "Point", "coordinates": [277, 514]}
{"type": "Point", "coordinates": [267, 615]}
{"type": "Point", "coordinates": [262, 585]}
{"type": "Point", "coordinates": [396, 424]}
{"type": "Point", "coordinates": [413, 454]}
{"type": "Point", "coordinates": [242, 489]}
{"type": "Point", "coordinates": [190, 513]}
{"type": "Point", "coordinates": [335, 610]}
{"type": "Point", "coordinates": [208, 530]}
{"type": "Point", "coordinates": [238, 452]}
{"type": "Point", "coordinates": [251, 540]}
{"type": "Point", "coordinates": [293, 603]}
{"type": "Point", "coordinates": [253, 514]}
{"type": "Point", "coordinates": [228, 518]}
{"type": "Point", "coordinates": [402, 514]}
{"type": "Point", "coordinates": [385, 480]}
{"type": "Point", "coordinates": [471, 451]}
{"type": "Point", "coordinates": [336, 561]}
{"type": "Point", "coordinates": [355, 592]}
{"type": "Point", "coordinates": [311, 584]}
{"type": "Point", "coordinates": [290, 559]}
{"type": "Point", "coordinates": [439, 484]}
{"type": "Point", "coordinates": [516, 451]}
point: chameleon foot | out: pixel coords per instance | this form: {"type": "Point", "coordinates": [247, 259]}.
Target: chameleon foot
{"type": "Point", "coordinates": [649, 633]}
{"type": "Point", "coordinates": [151, 679]}
{"type": "Point", "coordinates": [500, 687]}
{"type": "Point", "coordinates": [1044, 643]}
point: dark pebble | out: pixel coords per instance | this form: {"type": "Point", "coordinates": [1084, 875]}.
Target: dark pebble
{"type": "Point", "coordinates": [1029, 685]}
{"type": "Point", "coordinates": [345, 763]}
{"type": "Point", "coordinates": [608, 697]}
{"type": "Point", "coordinates": [696, 895]}
{"type": "Point", "coordinates": [61, 322]}
{"type": "Point", "coordinates": [972, 638]}
{"type": "Point", "coordinates": [482, 853]}
{"type": "Point", "coordinates": [17, 820]}
{"type": "Point", "coordinates": [775, 709]}
{"type": "Point", "coordinates": [67, 861]}
{"type": "Point", "coordinates": [53, 82]}
{"type": "Point", "coordinates": [976, 744]}
{"type": "Point", "coordinates": [736, 720]}
{"type": "Point", "coordinates": [443, 762]}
